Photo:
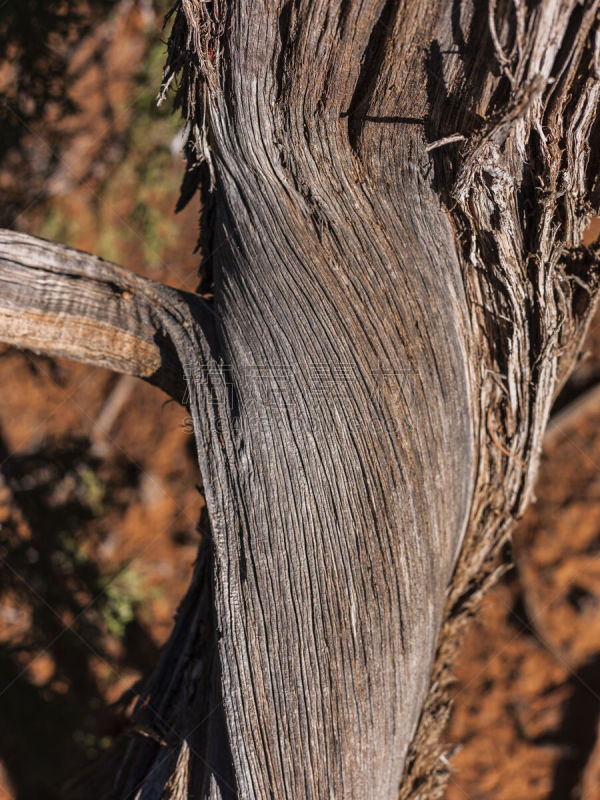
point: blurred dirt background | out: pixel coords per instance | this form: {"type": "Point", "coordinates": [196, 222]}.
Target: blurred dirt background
{"type": "Point", "coordinates": [99, 503]}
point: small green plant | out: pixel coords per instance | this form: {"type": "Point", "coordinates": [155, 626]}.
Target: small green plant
{"type": "Point", "coordinates": [92, 744]}
{"type": "Point", "coordinates": [123, 594]}
{"type": "Point", "coordinates": [94, 490]}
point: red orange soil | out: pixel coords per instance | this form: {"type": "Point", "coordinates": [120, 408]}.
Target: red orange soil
{"type": "Point", "coordinates": [98, 531]}
{"type": "Point", "coordinates": [528, 678]}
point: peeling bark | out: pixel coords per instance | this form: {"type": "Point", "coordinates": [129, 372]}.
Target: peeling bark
{"type": "Point", "coordinates": [398, 195]}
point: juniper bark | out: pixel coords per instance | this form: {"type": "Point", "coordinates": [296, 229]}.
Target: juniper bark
{"type": "Point", "coordinates": [396, 193]}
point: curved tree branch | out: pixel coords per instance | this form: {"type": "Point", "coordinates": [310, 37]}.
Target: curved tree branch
{"type": "Point", "coordinates": [396, 320]}
{"type": "Point", "coordinates": [59, 301]}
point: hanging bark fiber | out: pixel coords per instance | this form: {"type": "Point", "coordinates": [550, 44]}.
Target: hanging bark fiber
{"type": "Point", "coordinates": [395, 194]}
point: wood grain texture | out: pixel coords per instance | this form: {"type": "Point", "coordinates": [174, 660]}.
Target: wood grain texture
{"type": "Point", "coordinates": [341, 239]}
{"type": "Point", "coordinates": [399, 190]}
{"type": "Point", "coordinates": [60, 301]}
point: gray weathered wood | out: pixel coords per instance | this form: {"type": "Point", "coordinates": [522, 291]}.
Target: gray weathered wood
{"type": "Point", "coordinates": [60, 301]}
{"type": "Point", "coordinates": [399, 291]}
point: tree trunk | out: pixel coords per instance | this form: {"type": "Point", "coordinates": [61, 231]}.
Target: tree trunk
{"type": "Point", "coordinates": [398, 195]}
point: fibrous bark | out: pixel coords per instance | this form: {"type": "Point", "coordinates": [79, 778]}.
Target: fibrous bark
{"type": "Point", "coordinates": [398, 195]}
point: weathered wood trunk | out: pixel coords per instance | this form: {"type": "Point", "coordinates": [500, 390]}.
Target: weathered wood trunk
{"type": "Point", "coordinates": [399, 291]}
